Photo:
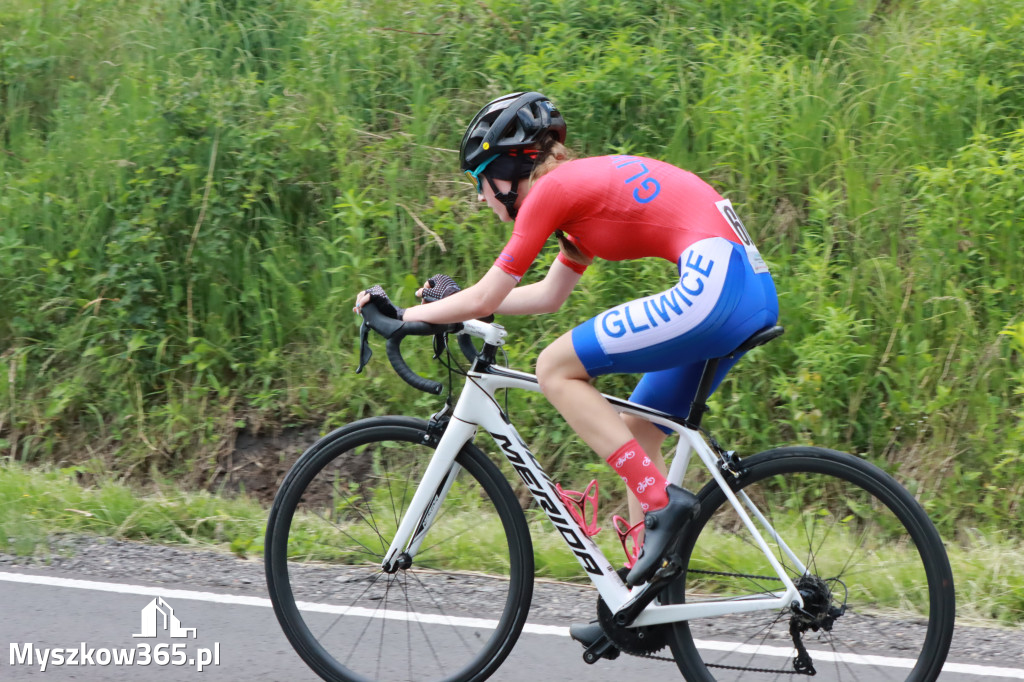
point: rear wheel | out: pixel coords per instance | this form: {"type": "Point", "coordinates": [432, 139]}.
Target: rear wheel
{"type": "Point", "coordinates": [452, 612]}
{"type": "Point", "coordinates": [878, 592]}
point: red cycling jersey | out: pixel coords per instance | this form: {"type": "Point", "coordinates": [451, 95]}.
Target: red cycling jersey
{"type": "Point", "coordinates": [619, 208]}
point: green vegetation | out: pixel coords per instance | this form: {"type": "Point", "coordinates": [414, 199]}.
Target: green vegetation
{"type": "Point", "coordinates": [37, 504]}
{"type": "Point", "coordinates": [191, 193]}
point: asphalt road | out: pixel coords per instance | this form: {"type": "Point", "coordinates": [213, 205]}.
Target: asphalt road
{"type": "Point", "coordinates": [50, 615]}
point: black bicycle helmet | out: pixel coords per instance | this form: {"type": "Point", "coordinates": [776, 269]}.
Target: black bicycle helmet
{"type": "Point", "coordinates": [511, 126]}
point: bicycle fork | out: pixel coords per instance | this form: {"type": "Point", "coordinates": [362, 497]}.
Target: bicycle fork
{"type": "Point", "coordinates": [431, 491]}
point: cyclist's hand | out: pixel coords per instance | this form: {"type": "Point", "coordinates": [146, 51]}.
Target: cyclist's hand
{"type": "Point", "coordinates": [376, 294]}
{"type": "Point", "coordinates": [438, 287]}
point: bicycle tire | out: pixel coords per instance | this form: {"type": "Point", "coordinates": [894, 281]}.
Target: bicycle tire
{"type": "Point", "coordinates": [874, 548]}
{"type": "Point", "coordinates": [333, 519]}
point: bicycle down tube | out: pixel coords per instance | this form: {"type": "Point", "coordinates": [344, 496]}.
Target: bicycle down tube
{"type": "Point", "coordinates": [477, 407]}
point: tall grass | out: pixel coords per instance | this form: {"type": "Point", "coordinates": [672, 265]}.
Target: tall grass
{"type": "Point", "coordinates": [191, 193]}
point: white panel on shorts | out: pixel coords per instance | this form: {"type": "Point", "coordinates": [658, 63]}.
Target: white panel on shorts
{"type": "Point", "coordinates": [654, 319]}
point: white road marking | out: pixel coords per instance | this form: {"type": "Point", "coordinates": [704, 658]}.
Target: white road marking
{"type": "Point", "coordinates": [169, 593]}
{"type": "Point", "coordinates": [883, 661]}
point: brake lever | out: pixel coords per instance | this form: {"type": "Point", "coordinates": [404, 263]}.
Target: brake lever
{"type": "Point", "coordinates": [440, 344]}
{"type": "Point", "coordinates": [365, 352]}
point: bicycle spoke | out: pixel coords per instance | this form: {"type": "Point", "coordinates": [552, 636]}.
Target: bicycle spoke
{"type": "Point", "coordinates": [839, 513]}
{"type": "Point", "coordinates": [422, 629]}
{"type": "Point", "coordinates": [440, 607]}
{"type": "Point", "coordinates": [372, 582]}
{"type": "Point", "coordinates": [415, 618]}
{"type": "Point", "coordinates": [362, 633]}
{"type": "Point", "coordinates": [349, 536]}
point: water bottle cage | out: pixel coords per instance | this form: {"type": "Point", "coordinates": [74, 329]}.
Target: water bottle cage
{"type": "Point", "coordinates": [582, 507]}
{"type": "Point", "coordinates": [629, 536]}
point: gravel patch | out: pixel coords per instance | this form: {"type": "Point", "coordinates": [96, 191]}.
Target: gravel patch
{"type": "Point", "coordinates": [105, 559]}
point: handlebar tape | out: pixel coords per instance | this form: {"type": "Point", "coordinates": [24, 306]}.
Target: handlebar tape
{"type": "Point", "coordinates": [394, 331]}
{"type": "Point", "coordinates": [403, 370]}
{"type": "Point", "coordinates": [467, 348]}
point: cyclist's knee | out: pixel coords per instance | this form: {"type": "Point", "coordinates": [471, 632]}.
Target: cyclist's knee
{"type": "Point", "coordinates": [548, 370]}
{"type": "Point", "coordinates": [632, 421]}
{"type": "Point", "coordinates": [558, 363]}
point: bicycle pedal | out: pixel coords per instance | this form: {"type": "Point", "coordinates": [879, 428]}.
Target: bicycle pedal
{"type": "Point", "coordinates": [602, 648]}
{"type": "Point", "coordinates": [670, 568]}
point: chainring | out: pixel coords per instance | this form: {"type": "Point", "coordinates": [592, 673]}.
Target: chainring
{"type": "Point", "coordinates": [641, 641]}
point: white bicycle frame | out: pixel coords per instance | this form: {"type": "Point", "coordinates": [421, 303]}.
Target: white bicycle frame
{"type": "Point", "coordinates": [477, 407]}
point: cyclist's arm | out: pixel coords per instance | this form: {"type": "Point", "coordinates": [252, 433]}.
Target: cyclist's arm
{"type": "Point", "coordinates": [545, 296]}
{"type": "Point", "coordinates": [479, 300]}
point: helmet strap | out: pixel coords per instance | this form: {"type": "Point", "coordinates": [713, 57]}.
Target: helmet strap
{"type": "Point", "coordinates": [510, 197]}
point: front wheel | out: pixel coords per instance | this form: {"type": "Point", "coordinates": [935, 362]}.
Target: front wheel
{"type": "Point", "coordinates": [451, 612]}
{"type": "Point", "coordinates": [878, 590]}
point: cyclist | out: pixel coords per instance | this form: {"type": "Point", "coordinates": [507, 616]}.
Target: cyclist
{"type": "Point", "coordinates": [613, 208]}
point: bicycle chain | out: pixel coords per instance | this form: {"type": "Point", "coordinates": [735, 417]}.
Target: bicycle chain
{"type": "Point", "coordinates": [736, 575]}
{"type": "Point", "coordinates": [768, 671]}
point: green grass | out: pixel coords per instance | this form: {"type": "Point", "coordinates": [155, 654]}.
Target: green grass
{"type": "Point", "coordinates": [880, 571]}
{"type": "Point", "coordinates": [36, 506]}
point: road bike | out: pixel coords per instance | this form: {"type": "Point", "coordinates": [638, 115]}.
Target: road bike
{"type": "Point", "coordinates": [799, 557]}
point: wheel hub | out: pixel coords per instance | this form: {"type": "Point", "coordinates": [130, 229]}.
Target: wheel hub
{"type": "Point", "coordinates": [817, 613]}
{"type": "Point", "coordinates": [402, 562]}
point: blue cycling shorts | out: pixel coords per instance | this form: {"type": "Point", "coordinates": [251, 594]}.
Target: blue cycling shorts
{"type": "Point", "coordinates": [718, 303]}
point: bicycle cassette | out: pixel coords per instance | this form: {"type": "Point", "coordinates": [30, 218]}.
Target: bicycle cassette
{"type": "Point", "coordinates": [639, 641]}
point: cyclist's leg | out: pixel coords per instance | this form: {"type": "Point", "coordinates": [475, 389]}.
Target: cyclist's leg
{"type": "Point", "coordinates": [719, 302]}
{"type": "Point", "coordinates": [565, 382]}
{"type": "Point", "coordinates": [669, 390]}
{"type": "Point", "coordinates": [672, 390]}
{"type": "Point", "coordinates": [650, 437]}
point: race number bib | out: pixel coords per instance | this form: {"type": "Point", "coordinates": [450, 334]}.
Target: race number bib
{"type": "Point", "coordinates": [753, 255]}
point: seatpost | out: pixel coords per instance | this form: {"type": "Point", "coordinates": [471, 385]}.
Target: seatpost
{"type": "Point", "coordinates": [700, 401]}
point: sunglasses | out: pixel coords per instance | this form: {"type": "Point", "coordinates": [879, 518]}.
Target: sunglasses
{"type": "Point", "coordinates": [474, 175]}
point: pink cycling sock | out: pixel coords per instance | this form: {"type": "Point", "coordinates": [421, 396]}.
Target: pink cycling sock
{"type": "Point", "coordinates": [641, 476]}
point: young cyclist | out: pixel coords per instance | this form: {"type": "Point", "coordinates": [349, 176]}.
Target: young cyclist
{"type": "Point", "coordinates": [613, 208]}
